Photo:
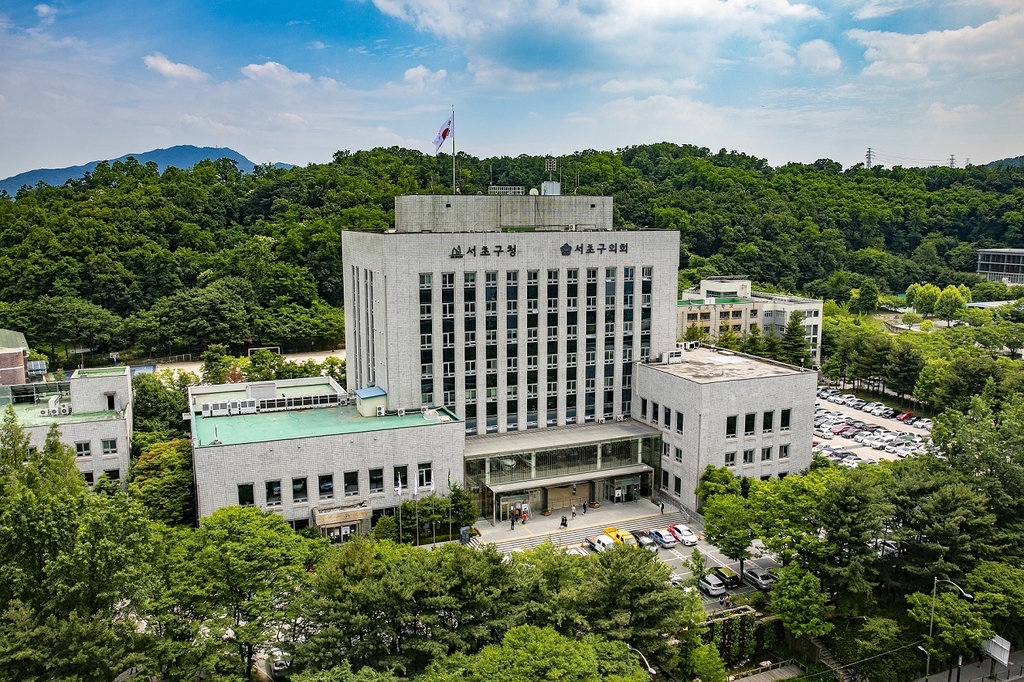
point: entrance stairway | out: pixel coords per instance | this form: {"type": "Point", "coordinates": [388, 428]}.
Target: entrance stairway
{"type": "Point", "coordinates": [826, 658]}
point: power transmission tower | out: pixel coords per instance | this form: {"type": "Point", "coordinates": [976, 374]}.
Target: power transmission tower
{"type": "Point", "coordinates": [869, 155]}
{"type": "Point", "coordinates": [952, 161]}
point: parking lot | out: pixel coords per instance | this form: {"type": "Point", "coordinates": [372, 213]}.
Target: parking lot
{"type": "Point", "coordinates": [864, 451]}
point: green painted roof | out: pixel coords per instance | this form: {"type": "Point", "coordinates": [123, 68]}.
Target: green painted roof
{"type": "Point", "coordinates": [12, 339]}
{"type": "Point", "coordinates": [290, 424]}
{"type": "Point", "coordinates": [28, 415]}
{"type": "Point", "coordinates": [100, 372]}
{"type": "Point", "coordinates": [718, 301]}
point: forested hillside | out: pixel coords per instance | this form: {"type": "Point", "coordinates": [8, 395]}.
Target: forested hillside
{"type": "Point", "coordinates": [129, 258]}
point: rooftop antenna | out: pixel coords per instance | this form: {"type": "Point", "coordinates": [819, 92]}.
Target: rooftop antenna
{"type": "Point", "coordinates": [550, 165]}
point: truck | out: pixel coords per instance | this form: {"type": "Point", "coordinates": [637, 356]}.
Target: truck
{"type": "Point", "coordinates": [600, 543]}
{"type": "Point", "coordinates": [620, 537]}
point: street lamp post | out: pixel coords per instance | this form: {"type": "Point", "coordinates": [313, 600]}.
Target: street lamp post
{"type": "Point", "coordinates": [650, 669]}
{"type": "Point", "coordinates": [931, 623]}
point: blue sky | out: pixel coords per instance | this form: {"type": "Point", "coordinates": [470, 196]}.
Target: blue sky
{"type": "Point", "coordinates": [917, 80]}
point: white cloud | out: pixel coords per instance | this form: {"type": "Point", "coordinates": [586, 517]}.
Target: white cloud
{"type": "Point", "coordinates": [318, 45]}
{"type": "Point", "coordinates": [618, 87]}
{"type": "Point", "coordinates": [46, 14]}
{"type": "Point", "coordinates": [959, 114]}
{"type": "Point", "coordinates": [873, 9]}
{"type": "Point", "coordinates": [997, 46]}
{"type": "Point", "coordinates": [207, 123]}
{"type": "Point", "coordinates": [819, 56]}
{"type": "Point", "coordinates": [276, 74]}
{"type": "Point", "coordinates": [526, 40]}
{"type": "Point", "coordinates": [420, 76]}
{"type": "Point", "coordinates": [775, 54]}
{"type": "Point", "coordinates": [165, 67]}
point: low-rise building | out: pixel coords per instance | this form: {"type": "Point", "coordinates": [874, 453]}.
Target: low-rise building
{"type": "Point", "coordinates": [93, 411]}
{"type": "Point", "coordinates": [306, 449]}
{"type": "Point", "coordinates": [724, 303]}
{"type": "Point", "coordinates": [13, 358]}
{"type": "Point", "coordinates": [723, 408]}
{"type": "Point", "coordinates": [1001, 265]}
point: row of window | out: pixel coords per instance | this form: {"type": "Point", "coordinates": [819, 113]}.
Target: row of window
{"type": "Point", "coordinates": [661, 416]}
{"type": "Point", "coordinates": [750, 423]}
{"type": "Point", "coordinates": [532, 276]}
{"type": "Point", "coordinates": [112, 474]}
{"type": "Point", "coordinates": [749, 455]}
{"type": "Point", "coordinates": [325, 485]}
{"type": "Point", "coordinates": [84, 448]}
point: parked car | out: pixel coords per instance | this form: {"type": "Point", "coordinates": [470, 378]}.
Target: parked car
{"type": "Point", "coordinates": [925, 424]}
{"type": "Point", "coordinates": [758, 577]}
{"type": "Point", "coordinates": [822, 433]}
{"type": "Point", "coordinates": [857, 404]}
{"type": "Point", "coordinates": [663, 537]}
{"type": "Point", "coordinates": [711, 585]}
{"type": "Point", "coordinates": [683, 534]}
{"type": "Point", "coordinates": [870, 406]}
{"type": "Point", "coordinates": [887, 413]}
{"type": "Point", "coordinates": [601, 543]}
{"type": "Point", "coordinates": [729, 577]}
{"type": "Point", "coordinates": [644, 541]}
{"type": "Point", "coordinates": [904, 416]}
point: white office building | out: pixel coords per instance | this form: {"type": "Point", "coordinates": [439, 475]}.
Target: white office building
{"type": "Point", "coordinates": [306, 449]}
{"type": "Point", "coordinates": [93, 411]}
{"type": "Point", "coordinates": [723, 408]}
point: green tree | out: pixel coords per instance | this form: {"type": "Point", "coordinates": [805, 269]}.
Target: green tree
{"type": "Point", "coordinates": [727, 526]}
{"type": "Point", "coordinates": [753, 341]}
{"type": "Point", "coordinates": [958, 627]}
{"type": "Point", "coordinates": [866, 300]}
{"type": "Point", "coordinates": [793, 346]}
{"type": "Point", "coordinates": [798, 600]}
{"type": "Point", "coordinates": [903, 367]}
{"type": "Point", "coordinates": [216, 364]}
{"type": "Point", "coordinates": [950, 304]}
{"type": "Point", "coordinates": [717, 481]}
{"type": "Point", "coordinates": [925, 299]}
{"type": "Point", "coordinates": [162, 480]}
{"type": "Point", "coordinates": [251, 567]}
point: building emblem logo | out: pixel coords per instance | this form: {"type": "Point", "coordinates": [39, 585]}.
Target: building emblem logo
{"type": "Point", "coordinates": [566, 249]}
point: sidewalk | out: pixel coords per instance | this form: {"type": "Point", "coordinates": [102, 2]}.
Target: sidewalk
{"type": "Point", "coordinates": [627, 516]}
{"type": "Point", "coordinates": [978, 672]}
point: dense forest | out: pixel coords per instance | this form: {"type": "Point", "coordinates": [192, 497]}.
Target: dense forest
{"type": "Point", "coordinates": [131, 259]}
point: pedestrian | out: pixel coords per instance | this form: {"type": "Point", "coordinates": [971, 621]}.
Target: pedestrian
{"type": "Point", "coordinates": [721, 601]}
{"type": "Point", "coordinates": [526, 517]}
{"type": "Point", "coordinates": [513, 522]}
{"type": "Point", "coordinates": [565, 522]}
{"type": "Point", "coordinates": [574, 511]}
{"type": "Point", "coordinates": [584, 507]}
{"type": "Point", "coordinates": [663, 507]}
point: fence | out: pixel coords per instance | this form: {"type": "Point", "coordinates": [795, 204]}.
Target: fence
{"type": "Point", "coordinates": [770, 666]}
{"type": "Point", "coordinates": [1011, 673]}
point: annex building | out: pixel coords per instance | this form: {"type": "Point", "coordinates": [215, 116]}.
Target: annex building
{"type": "Point", "coordinates": [719, 407]}
{"type": "Point", "coordinates": [308, 450]}
{"type": "Point", "coordinates": [93, 411]}
{"type": "Point", "coordinates": [724, 303]}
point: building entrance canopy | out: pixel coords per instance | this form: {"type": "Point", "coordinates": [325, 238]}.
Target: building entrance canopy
{"type": "Point", "coordinates": [555, 481]}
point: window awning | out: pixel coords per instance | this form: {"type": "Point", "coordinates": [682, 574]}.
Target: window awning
{"type": "Point", "coordinates": [569, 479]}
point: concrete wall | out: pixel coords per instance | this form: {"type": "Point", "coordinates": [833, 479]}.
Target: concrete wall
{"type": "Point", "coordinates": [89, 391]}
{"type": "Point", "coordinates": [456, 213]}
{"type": "Point", "coordinates": [94, 433]}
{"type": "Point", "coordinates": [220, 469]}
{"type": "Point", "coordinates": [706, 406]}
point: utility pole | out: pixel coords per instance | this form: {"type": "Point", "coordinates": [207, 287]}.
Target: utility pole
{"type": "Point", "coordinates": [869, 155]}
{"type": "Point", "coordinates": [952, 161]}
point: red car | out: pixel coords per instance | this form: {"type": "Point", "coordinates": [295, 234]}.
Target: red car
{"type": "Point", "coordinates": [840, 429]}
{"type": "Point", "coordinates": [904, 416]}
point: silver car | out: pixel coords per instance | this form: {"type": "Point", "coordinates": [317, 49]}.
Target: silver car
{"type": "Point", "coordinates": [758, 577]}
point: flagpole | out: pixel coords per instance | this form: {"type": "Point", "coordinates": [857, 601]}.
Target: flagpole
{"type": "Point", "coordinates": [453, 149]}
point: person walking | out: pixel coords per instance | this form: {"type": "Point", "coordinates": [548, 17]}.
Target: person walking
{"type": "Point", "coordinates": [513, 517]}
{"type": "Point", "coordinates": [584, 507]}
{"type": "Point", "coordinates": [663, 507]}
{"type": "Point", "coordinates": [565, 522]}
{"type": "Point", "coordinates": [574, 511]}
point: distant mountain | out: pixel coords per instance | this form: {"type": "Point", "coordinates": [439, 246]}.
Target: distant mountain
{"type": "Point", "coordinates": [1016, 161]}
{"type": "Point", "coordinates": [183, 156]}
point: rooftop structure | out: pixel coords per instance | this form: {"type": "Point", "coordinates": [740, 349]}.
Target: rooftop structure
{"type": "Point", "coordinates": [496, 213]}
{"type": "Point", "coordinates": [706, 365]}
